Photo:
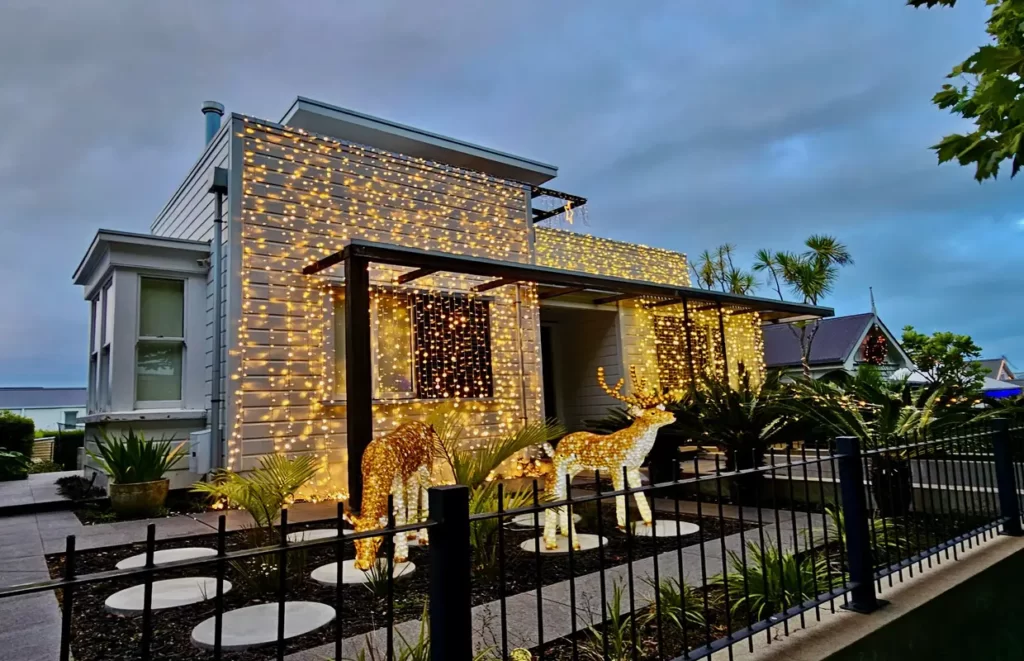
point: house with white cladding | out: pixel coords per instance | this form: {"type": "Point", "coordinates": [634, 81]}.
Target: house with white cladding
{"type": "Point", "coordinates": [314, 281]}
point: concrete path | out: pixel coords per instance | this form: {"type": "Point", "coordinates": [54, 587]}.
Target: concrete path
{"type": "Point", "coordinates": [30, 624]}
{"type": "Point", "coordinates": [38, 489]}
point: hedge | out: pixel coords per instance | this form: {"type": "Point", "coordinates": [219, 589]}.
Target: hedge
{"type": "Point", "coordinates": [65, 448]}
{"type": "Point", "coordinates": [17, 433]}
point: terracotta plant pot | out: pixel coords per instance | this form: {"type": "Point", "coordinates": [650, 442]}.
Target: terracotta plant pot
{"type": "Point", "coordinates": [140, 498]}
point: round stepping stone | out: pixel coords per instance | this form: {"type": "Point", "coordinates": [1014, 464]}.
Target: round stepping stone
{"type": "Point", "coordinates": [166, 594]}
{"type": "Point", "coordinates": [586, 542]}
{"type": "Point", "coordinates": [526, 520]}
{"type": "Point", "coordinates": [666, 528]}
{"type": "Point", "coordinates": [165, 556]}
{"type": "Point", "coordinates": [314, 533]}
{"type": "Point", "coordinates": [328, 574]}
{"type": "Point", "coordinates": [253, 626]}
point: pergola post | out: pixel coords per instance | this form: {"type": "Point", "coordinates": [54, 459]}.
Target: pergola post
{"type": "Point", "coordinates": [358, 377]}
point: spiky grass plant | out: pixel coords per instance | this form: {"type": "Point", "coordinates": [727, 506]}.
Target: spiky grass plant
{"type": "Point", "coordinates": [130, 458]}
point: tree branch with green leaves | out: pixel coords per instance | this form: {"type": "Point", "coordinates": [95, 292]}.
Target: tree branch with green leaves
{"type": "Point", "coordinates": [991, 94]}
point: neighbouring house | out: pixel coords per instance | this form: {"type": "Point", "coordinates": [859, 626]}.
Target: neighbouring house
{"type": "Point", "coordinates": [998, 368]}
{"type": "Point", "coordinates": [840, 345]}
{"type": "Point", "coordinates": [49, 408]}
{"type": "Point", "coordinates": [368, 273]}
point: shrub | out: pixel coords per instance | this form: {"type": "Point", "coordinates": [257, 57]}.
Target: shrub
{"type": "Point", "coordinates": [679, 603]}
{"type": "Point", "coordinates": [772, 581]}
{"type": "Point", "coordinates": [131, 459]}
{"type": "Point", "coordinates": [617, 631]}
{"type": "Point", "coordinates": [44, 466]}
{"type": "Point", "coordinates": [13, 466]}
{"type": "Point", "coordinates": [474, 467]}
{"type": "Point", "coordinates": [17, 433]}
{"type": "Point", "coordinates": [65, 448]}
{"type": "Point", "coordinates": [264, 491]}
{"type": "Point", "coordinates": [76, 487]}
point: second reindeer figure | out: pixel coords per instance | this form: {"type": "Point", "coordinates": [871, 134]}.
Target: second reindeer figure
{"type": "Point", "coordinates": [618, 454]}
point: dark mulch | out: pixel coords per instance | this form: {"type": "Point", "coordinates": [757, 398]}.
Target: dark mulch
{"type": "Point", "coordinates": [99, 635]}
{"type": "Point", "coordinates": [98, 510]}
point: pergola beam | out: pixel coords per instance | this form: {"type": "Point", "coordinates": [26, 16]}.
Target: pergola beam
{"type": "Point", "coordinates": [494, 284]}
{"type": "Point", "coordinates": [543, 275]}
{"type": "Point", "coordinates": [415, 275]}
{"type": "Point", "coordinates": [615, 299]}
{"type": "Point", "coordinates": [543, 296]}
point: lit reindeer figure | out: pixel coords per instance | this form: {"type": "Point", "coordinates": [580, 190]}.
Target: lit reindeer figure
{"type": "Point", "coordinates": [397, 464]}
{"type": "Point", "coordinates": [612, 454]}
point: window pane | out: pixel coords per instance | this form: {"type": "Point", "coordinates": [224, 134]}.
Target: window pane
{"type": "Point", "coordinates": [162, 308]}
{"type": "Point", "coordinates": [93, 383]}
{"type": "Point", "coordinates": [97, 320]}
{"type": "Point", "coordinates": [104, 389]}
{"type": "Point", "coordinates": [158, 371]}
{"type": "Point", "coordinates": [339, 345]}
{"type": "Point", "coordinates": [394, 348]}
{"type": "Point", "coordinates": [108, 303]}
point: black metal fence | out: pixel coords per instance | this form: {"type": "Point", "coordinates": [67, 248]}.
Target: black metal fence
{"type": "Point", "coordinates": [727, 556]}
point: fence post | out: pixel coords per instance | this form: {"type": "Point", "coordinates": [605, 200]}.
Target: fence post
{"type": "Point", "coordinates": [855, 519]}
{"type": "Point", "coordinates": [451, 632]}
{"type": "Point", "coordinates": [1005, 478]}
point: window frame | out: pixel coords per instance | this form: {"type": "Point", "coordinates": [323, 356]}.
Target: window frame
{"type": "Point", "coordinates": [141, 339]}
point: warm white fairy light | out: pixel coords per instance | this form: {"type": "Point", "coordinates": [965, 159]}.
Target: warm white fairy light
{"type": "Point", "coordinates": [306, 197]}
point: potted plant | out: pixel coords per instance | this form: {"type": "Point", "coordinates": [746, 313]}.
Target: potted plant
{"type": "Point", "coordinates": [136, 468]}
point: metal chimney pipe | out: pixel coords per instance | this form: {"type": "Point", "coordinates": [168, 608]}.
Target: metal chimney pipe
{"type": "Point", "coordinates": [213, 112]}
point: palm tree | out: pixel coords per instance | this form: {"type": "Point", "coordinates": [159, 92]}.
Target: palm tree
{"type": "Point", "coordinates": [881, 413]}
{"type": "Point", "coordinates": [811, 275]}
{"type": "Point", "coordinates": [741, 421]}
{"type": "Point", "coordinates": [717, 271]}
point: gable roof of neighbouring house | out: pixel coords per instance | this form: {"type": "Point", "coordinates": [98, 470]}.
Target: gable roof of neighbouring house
{"type": "Point", "coordinates": [997, 366]}
{"type": "Point", "coordinates": [41, 398]}
{"type": "Point", "coordinates": [834, 341]}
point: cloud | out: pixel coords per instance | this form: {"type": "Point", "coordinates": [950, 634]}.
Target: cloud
{"type": "Point", "coordinates": [686, 124]}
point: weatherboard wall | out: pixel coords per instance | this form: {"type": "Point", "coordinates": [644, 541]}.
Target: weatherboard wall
{"type": "Point", "coordinates": [306, 197]}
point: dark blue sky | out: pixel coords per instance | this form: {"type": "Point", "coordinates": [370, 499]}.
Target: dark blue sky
{"type": "Point", "coordinates": [686, 123]}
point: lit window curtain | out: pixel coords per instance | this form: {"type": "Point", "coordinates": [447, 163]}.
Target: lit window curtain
{"type": "Point", "coordinates": [453, 347]}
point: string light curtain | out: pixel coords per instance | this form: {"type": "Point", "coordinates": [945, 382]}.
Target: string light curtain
{"type": "Point", "coordinates": [453, 347]}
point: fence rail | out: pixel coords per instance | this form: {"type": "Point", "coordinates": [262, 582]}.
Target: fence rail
{"type": "Point", "coordinates": [729, 549]}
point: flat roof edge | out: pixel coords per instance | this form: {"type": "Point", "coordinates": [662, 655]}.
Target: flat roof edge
{"type": "Point", "coordinates": [136, 238]}
{"type": "Point", "coordinates": [540, 171]}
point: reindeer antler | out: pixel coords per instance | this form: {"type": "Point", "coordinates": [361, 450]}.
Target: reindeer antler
{"type": "Point", "coordinates": [643, 395]}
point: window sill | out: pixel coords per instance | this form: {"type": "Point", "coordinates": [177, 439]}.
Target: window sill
{"type": "Point", "coordinates": [411, 400]}
{"type": "Point", "coordinates": [144, 414]}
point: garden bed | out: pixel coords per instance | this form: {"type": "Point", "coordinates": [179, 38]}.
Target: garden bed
{"type": "Point", "coordinates": [100, 635]}
{"type": "Point", "coordinates": [98, 510]}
